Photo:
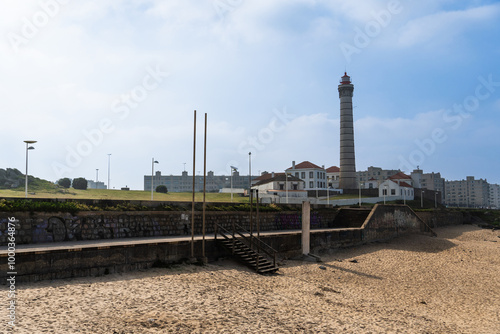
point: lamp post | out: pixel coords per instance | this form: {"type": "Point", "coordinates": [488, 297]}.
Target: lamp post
{"type": "Point", "coordinates": [286, 186]}
{"type": "Point", "coordinates": [327, 191]}
{"type": "Point", "coordinates": [96, 177]}
{"type": "Point", "coordinates": [26, 175]}
{"type": "Point", "coordinates": [152, 174]}
{"type": "Point", "coordinates": [385, 192]}
{"type": "Point", "coordinates": [233, 169]}
{"type": "Point", "coordinates": [360, 185]}
{"type": "Point", "coordinates": [109, 164]}
{"type": "Point", "coordinates": [422, 199]}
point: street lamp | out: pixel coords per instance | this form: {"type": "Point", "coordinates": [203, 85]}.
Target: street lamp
{"type": "Point", "coordinates": [233, 169]}
{"type": "Point", "coordinates": [286, 186]}
{"type": "Point", "coordinates": [360, 185]}
{"type": "Point", "coordinates": [422, 199]}
{"type": "Point", "coordinates": [152, 174]}
{"type": "Point", "coordinates": [26, 175]}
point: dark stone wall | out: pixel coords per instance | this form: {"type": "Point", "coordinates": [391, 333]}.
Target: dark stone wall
{"type": "Point", "coordinates": [438, 218]}
{"type": "Point", "coordinates": [46, 228]}
{"type": "Point", "coordinates": [390, 221]}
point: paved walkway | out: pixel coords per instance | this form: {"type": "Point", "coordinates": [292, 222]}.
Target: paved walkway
{"type": "Point", "coordinates": [104, 243]}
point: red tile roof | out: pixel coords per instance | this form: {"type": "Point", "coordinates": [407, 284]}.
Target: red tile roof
{"type": "Point", "coordinates": [402, 184]}
{"type": "Point", "coordinates": [400, 176]}
{"type": "Point", "coordinates": [306, 165]}
{"type": "Point", "coordinates": [333, 169]}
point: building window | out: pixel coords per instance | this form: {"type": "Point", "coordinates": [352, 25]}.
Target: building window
{"type": "Point", "coordinates": [282, 186]}
{"type": "Point", "coordinates": [295, 187]}
{"type": "Point", "coordinates": [302, 175]}
{"type": "Point", "coordinates": [311, 175]}
{"type": "Point", "coordinates": [393, 191]}
{"type": "Point", "coordinates": [384, 192]}
{"type": "Point", "coordinates": [296, 174]}
{"type": "Point", "coordinates": [311, 184]}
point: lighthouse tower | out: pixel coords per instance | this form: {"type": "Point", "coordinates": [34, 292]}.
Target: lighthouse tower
{"type": "Point", "coordinates": [347, 162]}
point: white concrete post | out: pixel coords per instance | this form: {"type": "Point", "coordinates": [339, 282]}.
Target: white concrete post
{"type": "Point", "coordinates": [306, 227]}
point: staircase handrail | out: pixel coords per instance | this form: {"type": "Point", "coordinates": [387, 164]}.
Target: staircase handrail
{"type": "Point", "coordinates": [271, 251]}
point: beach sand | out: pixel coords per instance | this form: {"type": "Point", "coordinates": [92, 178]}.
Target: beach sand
{"type": "Point", "coordinates": [412, 284]}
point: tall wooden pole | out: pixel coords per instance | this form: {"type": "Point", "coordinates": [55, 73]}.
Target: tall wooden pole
{"type": "Point", "coordinates": [204, 185]}
{"type": "Point", "coordinates": [251, 194]}
{"type": "Point", "coordinates": [194, 171]}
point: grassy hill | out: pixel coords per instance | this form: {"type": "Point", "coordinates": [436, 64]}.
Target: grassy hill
{"type": "Point", "coordinates": [12, 178]}
{"type": "Point", "coordinates": [131, 195]}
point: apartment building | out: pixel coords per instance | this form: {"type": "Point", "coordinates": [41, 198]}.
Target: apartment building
{"type": "Point", "coordinates": [467, 193]}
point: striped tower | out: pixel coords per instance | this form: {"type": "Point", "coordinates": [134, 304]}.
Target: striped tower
{"type": "Point", "coordinates": [347, 162]}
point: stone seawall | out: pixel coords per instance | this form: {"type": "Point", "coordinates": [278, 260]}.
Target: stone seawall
{"type": "Point", "coordinates": [390, 221]}
{"type": "Point", "coordinates": [55, 227]}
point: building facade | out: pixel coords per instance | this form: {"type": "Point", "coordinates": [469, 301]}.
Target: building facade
{"type": "Point", "coordinates": [396, 189]}
{"type": "Point", "coordinates": [96, 185]}
{"type": "Point", "coordinates": [281, 188]}
{"type": "Point", "coordinates": [469, 193]}
{"type": "Point", "coordinates": [494, 196]}
{"type": "Point", "coordinates": [430, 181]}
{"type": "Point", "coordinates": [333, 177]}
{"type": "Point", "coordinates": [184, 182]}
{"type": "Point", "coordinates": [375, 174]}
{"type": "Point", "coordinates": [313, 175]}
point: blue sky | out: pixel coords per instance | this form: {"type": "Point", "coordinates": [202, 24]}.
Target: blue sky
{"type": "Point", "coordinates": [123, 77]}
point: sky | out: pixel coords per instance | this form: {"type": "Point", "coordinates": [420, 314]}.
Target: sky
{"type": "Point", "coordinates": [86, 79]}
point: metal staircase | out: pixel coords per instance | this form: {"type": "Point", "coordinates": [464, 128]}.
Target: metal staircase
{"type": "Point", "coordinates": [247, 248]}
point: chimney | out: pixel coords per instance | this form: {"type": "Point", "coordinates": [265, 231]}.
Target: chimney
{"type": "Point", "coordinates": [272, 174]}
{"type": "Point", "coordinates": [293, 164]}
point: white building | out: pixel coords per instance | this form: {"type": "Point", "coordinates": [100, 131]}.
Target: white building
{"type": "Point", "coordinates": [96, 185]}
{"type": "Point", "coordinates": [495, 196]}
{"type": "Point", "coordinates": [333, 177]}
{"type": "Point", "coordinates": [396, 189]}
{"type": "Point", "coordinates": [281, 188]}
{"type": "Point", "coordinates": [313, 175]}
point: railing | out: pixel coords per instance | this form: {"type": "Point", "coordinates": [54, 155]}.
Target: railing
{"type": "Point", "coordinates": [249, 239]}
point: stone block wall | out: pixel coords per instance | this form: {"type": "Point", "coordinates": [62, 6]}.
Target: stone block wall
{"type": "Point", "coordinates": [438, 218]}
{"type": "Point", "coordinates": [57, 227]}
{"type": "Point", "coordinates": [390, 221]}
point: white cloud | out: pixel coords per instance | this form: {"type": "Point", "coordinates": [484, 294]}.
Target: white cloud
{"type": "Point", "coordinates": [444, 26]}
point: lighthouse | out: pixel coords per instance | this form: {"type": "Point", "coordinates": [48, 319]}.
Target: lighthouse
{"type": "Point", "coordinates": [347, 161]}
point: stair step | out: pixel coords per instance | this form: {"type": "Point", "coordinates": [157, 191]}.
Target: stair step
{"type": "Point", "coordinates": [248, 256]}
{"type": "Point", "coordinates": [268, 271]}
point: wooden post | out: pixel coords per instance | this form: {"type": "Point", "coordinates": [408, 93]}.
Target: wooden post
{"type": "Point", "coordinates": [194, 180]}
{"type": "Point", "coordinates": [306, 227]}
{"type": "Point", "coordinates": [204, 188]}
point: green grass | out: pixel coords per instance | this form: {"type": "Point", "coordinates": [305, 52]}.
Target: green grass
{"type": "Point", "coordinates": [131, 195]}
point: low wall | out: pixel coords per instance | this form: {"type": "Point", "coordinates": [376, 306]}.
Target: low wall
{"type": "Point", "coordinates": [437, 218]}
{"type": "Point", "coordinates": [90, 259]}
{"type": "Point", "coordinates": [60, 262]}
{"type": "Point", "coordinates": [47, 227]}
{"type": "Point", "coordinates": [390, 221]}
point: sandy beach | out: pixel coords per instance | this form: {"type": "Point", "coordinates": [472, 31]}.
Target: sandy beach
{"type": "Point", "coordinates": [413, 284]}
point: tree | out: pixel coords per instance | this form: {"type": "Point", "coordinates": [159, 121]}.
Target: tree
{"type": "Point", "coordinates": [80, 183]}
{"type": "Point", "coordinates": [64, 182]}
{"type": "Point", "coordinates": [162, 189]}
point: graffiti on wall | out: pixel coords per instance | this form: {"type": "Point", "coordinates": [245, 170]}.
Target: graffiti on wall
{"type": "Point", "coordinates": [55, 229]}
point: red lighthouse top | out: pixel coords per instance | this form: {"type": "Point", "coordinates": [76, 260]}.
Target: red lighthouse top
{"type": "Point", "coordinates": [346, 80]}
